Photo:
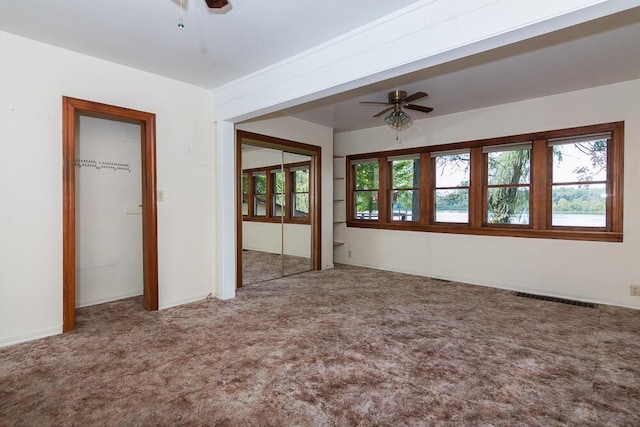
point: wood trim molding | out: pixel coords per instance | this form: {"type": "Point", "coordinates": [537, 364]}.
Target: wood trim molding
{"type": "Point", "coordinates": [72, 108]}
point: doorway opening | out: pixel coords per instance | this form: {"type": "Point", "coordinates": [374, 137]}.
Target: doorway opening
{"type": "Point", "coordinates": [278, 206]}
{"type": "Point", "coordinates": [73, 109]}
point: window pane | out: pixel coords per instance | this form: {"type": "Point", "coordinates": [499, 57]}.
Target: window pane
{"type": "Point", "coordinates": [452, 170]}
{"type": "Point", "coordinates": [405, 205]}
{"type": "Point", "coordinates": [367, 176]}
{"type": "Point", "coordinates": [260, 183]}
{"type": "Point", "coordinates": [301, 205]}
{"type": "Point", "coordinates": [509, 167]}
{"type": "Point", "coordinates": [278, 182]}
{"type": "Point", "coordinates": [452, 205]}
{"type": "Point", "coordinates": [259, 206]}
{"type": "Point", "coordinates": [580, 161]}
{"type": "Point", "coordinates": [405, 173]}
{"type": "Point", "coordinates": [302, 181]}
{"type": "Point", "coordinates": [579, 205]}
{"type": "Point", "coordinates": [245, 192]}
{"type": "Point", "coordinates": [508, 205]}
{"type": "Point", "coordinates": [278, 205]}
{"type": "Point", "coordinates": [245, 184]}
{"type": "Point", "coordinates": [366, 204]}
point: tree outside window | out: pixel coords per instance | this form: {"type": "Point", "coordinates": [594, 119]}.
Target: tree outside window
{"type": "Point", "coordinates": [508, 184]}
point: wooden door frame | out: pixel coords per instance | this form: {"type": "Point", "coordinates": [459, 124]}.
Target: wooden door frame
{"type": "Point", "coordinates": [315, 175]}
{"type": "Point", "coordinates": [72, 108]}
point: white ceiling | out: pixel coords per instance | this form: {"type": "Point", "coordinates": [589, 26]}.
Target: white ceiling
{"type": "Point", "coordinates": [215, 46]}
{"type": "Point", "coordinates": [218, 47]}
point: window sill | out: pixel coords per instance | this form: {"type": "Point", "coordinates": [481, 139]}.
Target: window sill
{"type": "Point", "coordinates": [596, 236]}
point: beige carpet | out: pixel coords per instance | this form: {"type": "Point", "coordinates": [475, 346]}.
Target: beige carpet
{"type": "Point", "coordinates": [349, 346]}
{"type": "Point", "coordinates": [259, 266]}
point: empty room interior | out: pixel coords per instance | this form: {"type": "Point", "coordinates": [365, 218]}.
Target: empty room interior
{"type": "Point", "coordinates": [238, 212]}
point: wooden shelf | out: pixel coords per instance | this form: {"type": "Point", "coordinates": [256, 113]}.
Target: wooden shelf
{"type": "Point", "coordinates": [336, 244]}
{"type": "Point", "coordinates": [337, 178]}
{"type": "Point", "coordinates": [338, 200]}
{"type": "Point", "coordinates": [339, 222]}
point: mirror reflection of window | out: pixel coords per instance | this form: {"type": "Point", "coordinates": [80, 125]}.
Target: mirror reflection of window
{"type": "Point", "coordinates": [276, 222]}
{"type": "Point", "coordinates": [300, 196]}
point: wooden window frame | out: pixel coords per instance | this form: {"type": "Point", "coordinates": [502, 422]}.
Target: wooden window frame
{"type": "Point", "coordinates": [486, 186]}
{"type": "Point", "coordinates": [269, 196]}
{"type": "Point", "coordinates": [351, 184]}
{"type": "Point", "coordinates": [540, 187]}
{"type": "Point", "coordinates": [292, 193]}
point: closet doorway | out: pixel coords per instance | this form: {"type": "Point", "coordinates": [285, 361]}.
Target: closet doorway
{"type": "Point", "coordinates": [73, 110]}
{"type": "Point", "coordinates": [278, 205]}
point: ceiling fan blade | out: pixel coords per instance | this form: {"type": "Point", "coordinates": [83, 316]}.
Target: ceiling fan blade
{"type": "Point", "coordinates": [419, 108]}
{"type": "Point", "coordinates": [414, 97]}
{"type": "Point", "coordinates": [373, 103]}
{"type": "Point", "coordinates": [216, 4]}
{"type": "Point", "coordinates": [385, 111]}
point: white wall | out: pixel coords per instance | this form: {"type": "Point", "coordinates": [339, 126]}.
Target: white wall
{"type": "Point", "coordinates": [33, 79]}
{"type": "Point", "coordinates": [108, 213]}
{"type": "Point", "coordinates": [308, 133]}
{"type": "Point", "coordinates": [593, 271]}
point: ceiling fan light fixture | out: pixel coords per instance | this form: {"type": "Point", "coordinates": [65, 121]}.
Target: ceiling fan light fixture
{"type": "Point", "coordinates": [398, 120]}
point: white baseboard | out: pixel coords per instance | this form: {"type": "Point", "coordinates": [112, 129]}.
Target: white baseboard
{"type": "Point", "coordinates": [42, 333]}
{"type": "Point", "coordinates": [108, 299]}
{"type": "Point", "coordinates": [181, 301]}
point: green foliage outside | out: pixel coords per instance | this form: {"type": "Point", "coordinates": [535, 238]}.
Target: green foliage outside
{"type": "Point", "coordinates": [457, 200]}
{"type": "Point", "coordinates": [580, 200]}
{"type": "Point", "coordinates": [366, 179]}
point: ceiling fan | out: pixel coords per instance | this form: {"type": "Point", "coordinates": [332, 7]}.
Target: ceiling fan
{"type": "Point", "coordinates": [216, 4]}
{"type": "Point", "coordinates": [398, 100]}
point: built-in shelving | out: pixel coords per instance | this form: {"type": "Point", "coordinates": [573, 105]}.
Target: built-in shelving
{"type": "Point", "coordinates": [338, 178]}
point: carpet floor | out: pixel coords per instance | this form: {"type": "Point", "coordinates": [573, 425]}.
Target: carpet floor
{"type": "Point", "coordinates": [348, 346]}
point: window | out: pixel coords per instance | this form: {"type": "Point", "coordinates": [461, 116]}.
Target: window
{"type": "Point", "coordinates": [367, 177]}
{"type": "Point", "coordinates": [300, 195]}
{"type": "Point", "coordinates": [508, 183]}
{"type": "Point", "coordinates": [278, 199]}
{"type": "Point", "coordinates": [579, 185]}
{"type": "Point", "coordinates": [245, 194]}
{"type": "Point", "coordinates": [560, 184]}
{"type": "Point", "coordinates": [405, 188]}
{"type": "Point", "coordinates": [259, 193]}
{"type": "Point", "coordinates": [451, 191]}
{"type": "Point", "coordinates": [273, 190]}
